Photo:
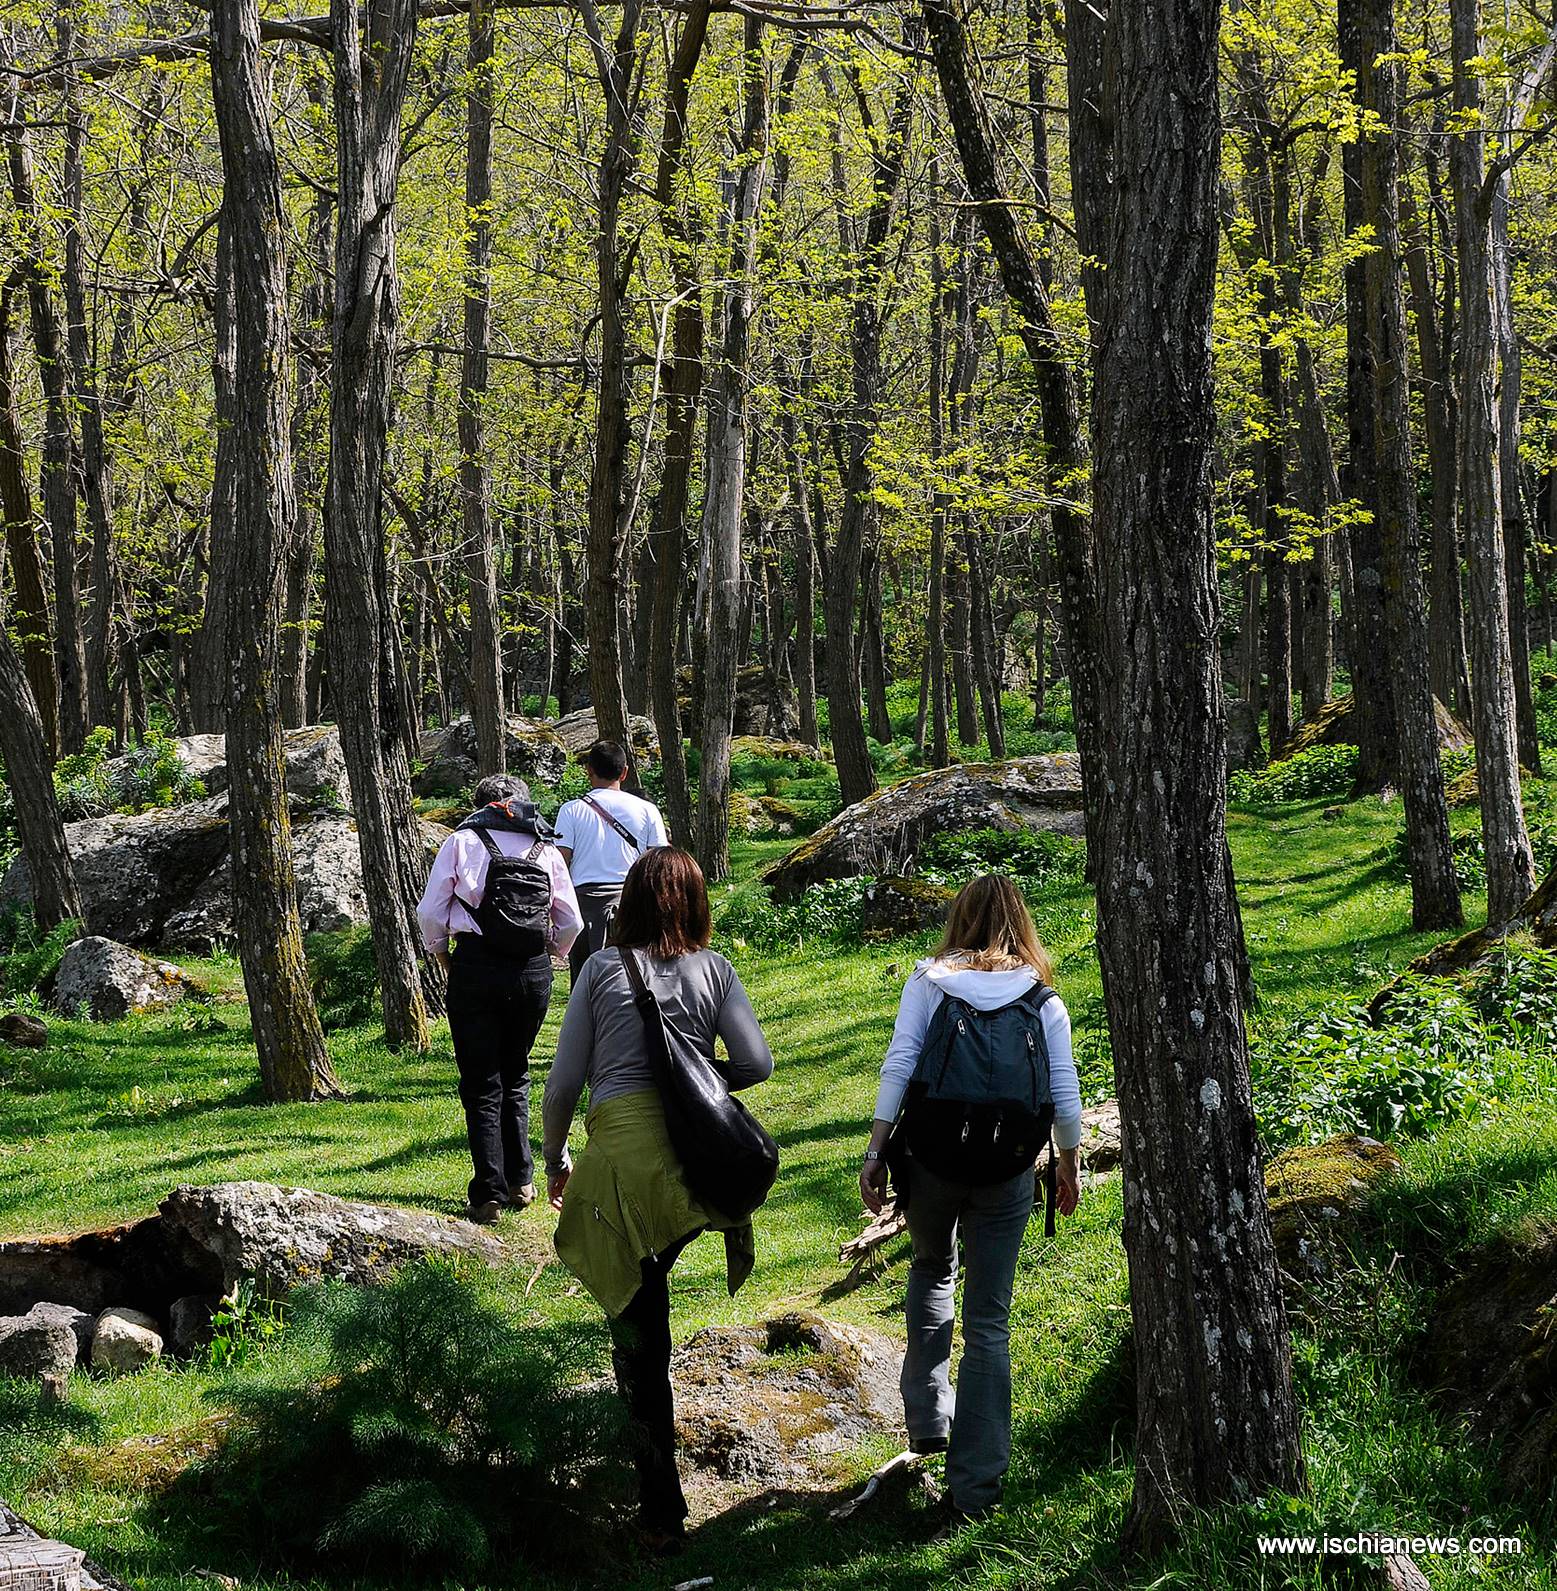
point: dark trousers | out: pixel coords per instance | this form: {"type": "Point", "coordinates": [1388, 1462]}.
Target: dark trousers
{"type": "Point", "coordinates": [496, 1007]}
{"type": "Point", "coordinates": [640, 1354]}
{"type": "Point", "coordinates": [597, 906]}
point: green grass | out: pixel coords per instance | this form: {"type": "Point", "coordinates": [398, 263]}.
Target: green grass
{"type": "Point", "coordinates": [104, 1122]}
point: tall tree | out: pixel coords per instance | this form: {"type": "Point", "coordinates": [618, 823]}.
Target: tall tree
{"type": "Point", "coordinates": [724, 496]}
{"type": "Point", "coordinates": [1211, 1339]}
{"type": "Point", "coordinates": [1510, 864]}
{"type": "Point", "coordinates": [1435, 891]}
{"type": "Point", "coordinates": [372, 59]}
{"type": "Point", "coordinates": [287, 1033]}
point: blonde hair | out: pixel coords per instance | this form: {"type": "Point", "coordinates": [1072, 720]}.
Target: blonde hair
{"type": "Point", "coordinates": [990, 929]}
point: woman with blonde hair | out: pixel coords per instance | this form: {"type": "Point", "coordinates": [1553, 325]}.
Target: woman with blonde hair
{"type": "Point", "coordinates": [978, 1073]}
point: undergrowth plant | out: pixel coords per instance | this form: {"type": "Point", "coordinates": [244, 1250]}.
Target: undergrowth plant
{"type": "Point", "coordinates": [28, 953]}
{"type": "Point", "coordinates": [93, 781]}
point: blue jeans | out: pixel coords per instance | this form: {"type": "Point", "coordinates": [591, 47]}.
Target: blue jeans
{"type": "Point", "coordinates": [990, 1222]}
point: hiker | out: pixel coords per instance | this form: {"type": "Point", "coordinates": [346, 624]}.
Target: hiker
{"type": "Point", "coordinates": [978, 1068]}
{"type": "Point", "coordinates": [498, 906]}
{"type": "Point", "coordinates": [602, 834]}
{"type": "Point", "coordinates": [627, 1212]}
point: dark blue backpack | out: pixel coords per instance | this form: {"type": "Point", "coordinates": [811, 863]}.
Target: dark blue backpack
{"type": "Point", "coordinates": [979, 1106]}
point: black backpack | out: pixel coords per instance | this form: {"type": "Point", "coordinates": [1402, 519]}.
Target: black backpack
{"type": "Point", "coordinates": [515, 911]}
{"type": "Point", "coordinates": [979, 1106]}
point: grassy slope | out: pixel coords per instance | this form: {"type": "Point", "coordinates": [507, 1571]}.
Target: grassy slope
{"type": "Point", "coordinates": [1324, 918]}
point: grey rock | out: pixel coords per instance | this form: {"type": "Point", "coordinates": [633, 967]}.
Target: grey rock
{"type": "Point", "coordinates": [578, 731]}
{"type": "Point", "coordinates": [1245, 749]}
{"type": "Point", "coordinates": [285, 1236]}
{"type": "Point", "coordinates": [1102, 1143]}
{"type": "Point", "coordinates": [22, 1030]}
{"type": "Point", "coordinates": [883, 833]}
{"type": "Point", "coordinates": [777, 1403]}
{"type": "Point", "coordinates": [189, 1322]}
{"type": "Point", "coordinates": [34, 1346]}
{"type": "Point", "coordinates": [109, 980]}
{"type": "Point", "coordinates": [125, 1340]}
{"type": "Point", "coordinates": [78, 1321]}
{"type": "Point", "coordinates": [450, 765]}
{"type": "Point", "coordinates": [315, 764]}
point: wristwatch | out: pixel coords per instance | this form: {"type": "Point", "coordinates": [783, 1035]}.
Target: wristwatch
{"type": "Point", "coordinates": [873, 1154]}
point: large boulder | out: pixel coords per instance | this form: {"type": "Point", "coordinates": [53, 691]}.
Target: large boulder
{"type": "Point", "coordinates": [578, 731]}
{"type": "Point", "coordinates": [1491, 1354]}
{"type": "Point", "coordinates": [165, 877]}
{"type": "Point", "coordinates": [280, 1237]}
{"type": "Point", "coordinates": [450, 765]}
{"type": "Point", "coordinates": [78, 1320]}
{"type": "Point", "coordinates": [315, 764]}
{"type": "Point", "coordinates": [883, 833]}
{"type": "Point", "coordinates": [781, 1402]}
{"type": "Point", "coordinates": [33, 1346]}
{"type": "Point", "coordinates": [203, 1241]}
{"type": "Point", "coordinates": [893, 907]}
{"type": "Point", "coordinates": [1335, 724]}
{"type": "Point", "coordinates": [108, 980]}
{"type": "Point", "coordinates": [1320, 1199]}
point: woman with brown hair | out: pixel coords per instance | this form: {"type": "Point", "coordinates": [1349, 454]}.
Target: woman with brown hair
{"type": "Point", "coordinates": [983, 1001]}
{"type": "Point", "coordinates": [627, 1211]}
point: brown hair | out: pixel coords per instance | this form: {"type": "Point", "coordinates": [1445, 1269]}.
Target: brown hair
{"type": "Point", "coordinates": [664, 905]}
{"type": "Point", "coordinates": [991, 930]}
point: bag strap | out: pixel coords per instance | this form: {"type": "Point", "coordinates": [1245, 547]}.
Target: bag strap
{"type": "Point", "coordinates": [621, 828]}
{"type": "Point", "coordinates": [485, 836]}
{"type": "Point", "coordinates": [634, 972]}
{"type": "Point", "coordinates": [1051, 1189]}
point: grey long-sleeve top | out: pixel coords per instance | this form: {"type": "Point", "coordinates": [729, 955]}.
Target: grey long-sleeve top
{"type": "Point", "coordinates": [602, 1043]}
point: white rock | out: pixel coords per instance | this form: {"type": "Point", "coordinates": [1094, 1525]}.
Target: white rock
{"type": "Point", "coordinates": [124, 1340]}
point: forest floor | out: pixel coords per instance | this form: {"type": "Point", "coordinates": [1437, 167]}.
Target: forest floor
{"type": "Point", "coordinates": [106, 1120]}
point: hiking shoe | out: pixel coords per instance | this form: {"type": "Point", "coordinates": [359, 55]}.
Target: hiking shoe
{"type": "Point", "coordinates": [522, 1198]}
{"type": "Point", "coordinates": [482, 1214]}
{"type": "Point", "coordinates": [925, 1445]}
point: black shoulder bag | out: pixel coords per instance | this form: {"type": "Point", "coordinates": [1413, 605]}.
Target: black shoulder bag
{"type": "Point", "coordinates": [726, 1155]}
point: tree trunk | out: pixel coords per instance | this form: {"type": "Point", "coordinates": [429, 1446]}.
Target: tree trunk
{"type": "Point", "coordinates": [29, 771]}
{"type": "Point", "coordinates": [1435, 892]}
{"type": "Point", "coordinates": [1445, 604]}
{"type": "Point", "coordinates": [878, 717]}
{"type": "Point", "coordinates": [58, 443]}
{"type": "Point", "coordinates": [292, 1060]}
{"type": "Point", "coordinates": [29, 615]}
{"type": "Point", "coordinates": [1510, 865]}
{"type": "Point", "coordinates": [724, 499]}
{"type": "Point", "coordinates": [1216, 1415]}
{"type": "Point", "coordinates": [370, 70]}
{"type": "Point", "coordinates": [935, 618]}
{"type": "Point", "coordinates": [486, 660]}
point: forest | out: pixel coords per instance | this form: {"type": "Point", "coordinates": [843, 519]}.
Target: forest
{"type": "Point", "coordinates": [1110, 445]}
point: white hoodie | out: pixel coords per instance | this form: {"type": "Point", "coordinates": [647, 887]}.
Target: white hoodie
{"type": "Point", "coordinates": [929, 983]}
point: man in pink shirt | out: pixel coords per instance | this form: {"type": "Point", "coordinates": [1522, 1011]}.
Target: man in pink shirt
{"type": "Point", "coordinates": [499, 904]}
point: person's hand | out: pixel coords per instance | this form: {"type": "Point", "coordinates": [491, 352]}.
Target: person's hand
{"type": "Point", "coordinates": [1067, 1184]}
{"type": "Point", "coordinates": [873, 1185]}
{"type": "Point", "coordinates": [554, 1186]}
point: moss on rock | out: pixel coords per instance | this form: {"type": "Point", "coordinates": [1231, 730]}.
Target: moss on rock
{"type": "Point", "coordinates": [1320, 1196]}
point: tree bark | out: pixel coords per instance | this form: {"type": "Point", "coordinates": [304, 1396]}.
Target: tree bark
{"type": "Point", "coordinates": [58, 443]}
{"type": "Point", "coordinates": [724, 497]}
{"type": "Point", "coordinates": [1510, 864]}
{"type": "Point", "coordinates": [935, 618]}
{"type": "Point", "coordinates": [1435, 893]}
{"type": "Point", "coordinates": [30, 605]}
{"type": "Point", "coordinates": [1216, 1415]}
{"type": "Point", "coordinates": [371, 63]}
{"type": "Point", "coordinates": [486, 660]}
{"type": "Point", "coordinates": [292, 1060]}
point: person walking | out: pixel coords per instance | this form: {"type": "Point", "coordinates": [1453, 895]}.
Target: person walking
{"type": "Point", "coordinates": [978, 1071]}
{"type": "Point", "coordinates": [627, 1212]}
{"type": "Point", "coordinates": [602, 834]}
{"type": "Point", "coordinates": [499, 904]}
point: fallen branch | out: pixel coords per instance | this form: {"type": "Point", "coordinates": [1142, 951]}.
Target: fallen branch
{"type": "Point", "coordinates": [882, 1229]}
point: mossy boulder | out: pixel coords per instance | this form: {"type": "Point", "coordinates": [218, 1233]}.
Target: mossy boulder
{"type": "Point", "coordinates": [883, 834]}
{"type": "Point", "coordinates": [1335, 724]}
{"type": "Point", "coordinates": [784, 817]}
{"type": "Point", "coordinates": [450, 766]}
{"type": "Point", "coordinates": [893, 907]}
{"type": "Point", "coordinates": [1491, 1353]}
{"type": "Point", "coordinates": [578, 731]}
{"type": "Point", "coordinates": [765, 746]}
{"type": "Point", "coordinates": [1320, 1197]}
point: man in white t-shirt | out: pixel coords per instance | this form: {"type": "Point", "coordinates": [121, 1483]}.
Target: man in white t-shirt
{"type": "Point", "coordinates": [600, 836]}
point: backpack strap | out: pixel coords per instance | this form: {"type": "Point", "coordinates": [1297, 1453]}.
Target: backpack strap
{"type": "Point", "coordinates": [621, 828]}
{"type": "Point", "coordinates": [485, 836]}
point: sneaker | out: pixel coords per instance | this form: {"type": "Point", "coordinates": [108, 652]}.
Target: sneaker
{"type": "Point", "coordinates": [482, 1214]}
{"type": "Point", "coordinates": [522, 1198]}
